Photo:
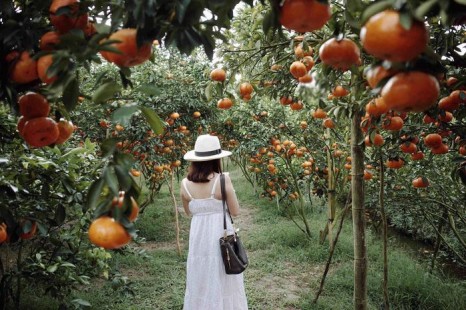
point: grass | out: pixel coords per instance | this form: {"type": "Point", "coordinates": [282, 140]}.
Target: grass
{"type": "Point", "coordinates": [285, 266]}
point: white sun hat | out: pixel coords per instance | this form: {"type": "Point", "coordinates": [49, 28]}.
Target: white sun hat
{"type": "Point", "coordinates": [206, 148]}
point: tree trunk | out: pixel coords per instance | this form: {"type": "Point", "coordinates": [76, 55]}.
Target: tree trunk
{"type": "Point", "coordinates": [359, 223]}
{"type": "Point", "coordinates": [386, 302]}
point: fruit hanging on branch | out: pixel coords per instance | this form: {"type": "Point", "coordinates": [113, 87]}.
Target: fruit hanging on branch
{"type": "Point", "coordinates": [385, 37]}
{"type": "Point", "coordinates": [413, 91]}
{"type": "Point", "coordinates": [129, 54]}
{"type": "Point", "coordinates": [304, 15]}
{"type": "Point", "coordinates": [340, 54]}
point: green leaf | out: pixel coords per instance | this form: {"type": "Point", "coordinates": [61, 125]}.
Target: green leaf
{"type": "Point", "coordinates": [406, 20]}
{"type": "Point", "coordinates": [94, 193]}
{"type": "Point", "coordinates": [105, 92]}
{"type": "Point", "coordinates": [111, 180]}
{"type": "Point", "coordinates": [71, 94]}
{"type": "Point", "coordinates": [123, 114]}
{"type": "Point", "coordinates": [108, 147]}
{"type": "Point", "coordinates": [149, 89]}
{"type": "Point", "coordinates": [81, 302]}
{"type": "Point", "coordinates": [52, 269]}
{"type": "Point", "coordinates": [424, 8]}
{"type": "Point", "coordinates": [123, 178]}
{"type": "Point", "coordinates": [460, 1]}
{"type": "Point", "coordinates": [153, 119]}
{"type": "Point", "coordinates": [374, 9]}
{"type": "Point", "coordinates": [208, 92]}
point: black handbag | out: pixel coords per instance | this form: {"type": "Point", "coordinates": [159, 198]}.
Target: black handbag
{"type": "Point", "coordinates": [234, 255]}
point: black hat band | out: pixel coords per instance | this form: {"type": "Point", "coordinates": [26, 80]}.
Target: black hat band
{"type": "Point", "coordinates": [209, 153]}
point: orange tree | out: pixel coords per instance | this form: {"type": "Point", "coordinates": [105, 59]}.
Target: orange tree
{"type": "Point", "coordinates": [379, 61]}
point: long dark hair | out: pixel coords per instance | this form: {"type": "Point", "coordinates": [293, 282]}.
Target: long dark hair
{"type": "Point", "coordinates": [199, 171]}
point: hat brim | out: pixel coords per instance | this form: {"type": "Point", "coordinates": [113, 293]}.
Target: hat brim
{"type": "Point", "coordinates": [191, 156]}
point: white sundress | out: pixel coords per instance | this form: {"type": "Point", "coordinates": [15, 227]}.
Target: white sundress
{"type": "Point", "coordinates": [208, 287]}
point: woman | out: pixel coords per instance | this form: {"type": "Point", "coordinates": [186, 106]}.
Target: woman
{"type": "Point", "coordinates": [207, 284]}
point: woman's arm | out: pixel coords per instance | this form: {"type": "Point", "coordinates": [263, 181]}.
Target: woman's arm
{"type": "Point", "coordinates": [185, 199]}
{"type": "Point", "coordinates": [232, 200]}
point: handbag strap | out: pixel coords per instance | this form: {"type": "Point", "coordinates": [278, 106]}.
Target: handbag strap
{"type": "Point", "coordinates": [225, 205]}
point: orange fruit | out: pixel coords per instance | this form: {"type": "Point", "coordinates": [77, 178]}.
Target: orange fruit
{"type": "Point", "coordinates": [319, 113]}
{"type": "Point", "coordinates": [441, 149]}
{"type": "Point", "coordinates": [24, 70]}
{"type": "Point", "coordinates": [40, 131]}
{"type": "Point", "coordinates": [433, 140]}
{"type": "Point", "coordinates": [245, 89]}
{"type": "Point", "coordinates": [20, 125]}
{"type": "Point", "coordinates": [65, 130]}
{"type": "Point", "coordinates": [377, 140]}
{"type": "Point", "coordinates": [339, 91]}
{"type": "Point", "coordinates": [420, 182]}
{"type": "Point", "coordinates": [296, 106]}
{"type": "Point", "coordinates": [307, 78]}
{"type": "Point", "coordinates": [419, 155]}
{"type": "Point", "coordinates": [133, 215]}
{"type": "Point", "coordinates": [218, 75]}
{"type": "Point", "coordinates": [197, 114]}
{"type": "Point", "coordinates": [108, 233]}
{"type": "Point", "coordinates": [384, 37]}
{"type": "Point", "coordinates": [43, 65]}
{"type": "Point", "coordinates": [412, 91]}
{"type": "Point", "coordinates": [340, 54]}
{"type": "Point", "coordinates": [408, 147]}
{"type": "Point", "coordinates": [130, 53]}
{"type": "Point", "coordinates": [376, 74]}
{"type": "Point", "coordinates": [225, 103]}
{"type": "Point", "coordinates": [32, 105]}
{"type": "Point", "coordinates": [298, 69]}
{"type": "Point", "coordinates": [299, 51]}
{"type": "Point", "coordinates": [393, 123]}
{"type": "Point", "coordinates": [328, 123]}
{"type": "Point", "coordinates": [448, 104]}
{"type": "Point", "coordinates": [72, 19]}
{"type": "Point", "coordinates": [308, 61]}
{"type": "Point", "coordinates": [3, 233]}
{"type": "Point", "coordinates": [376, 107]}
{"type": "Point", "coordinates": [395, 163]}
{"type": "Point", "coordinates": [304, 15]}
{"type": "Point", "coordinates": [49, 40]}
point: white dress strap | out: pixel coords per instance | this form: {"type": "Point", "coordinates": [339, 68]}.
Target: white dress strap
{"type": "Point", "coordinates": [213, 186]}
{"type": "Point", "coordinates": [186, 188]}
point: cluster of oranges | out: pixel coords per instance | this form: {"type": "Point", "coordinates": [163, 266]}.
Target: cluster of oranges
{"type": "Point", "coordinates": [34, 125]}
{"type": "Point", "coordinates": [108, 233]}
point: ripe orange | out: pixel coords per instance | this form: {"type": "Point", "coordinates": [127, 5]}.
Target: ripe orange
{"type": "Point", "coordinates": [3, 233]}
{"type": "Point", "coordinates": [40, 131]}
{"type": "Point", "coordinates": [408, 147]}
{"type": "Point", "coordinates": [393, 123]}
{"type": "Point", "coordinates": [420, 182]}
{"type": "Point", "coordinates": [377, 140]}
{"type": "Point", "coordinates": [20, 125]}
{"type": "Point", "coordinates": [304, 15]}
{"type": "Point", "coordinates": [197, 114]}
{"type": "Point", "coordinates": [412, 91]}
{"type": "Point", "coordinates": [298, 69]}
{"type": "Point", "coordinates": [395, 163]}
{"type": "Point", "coordinates": [299, 51]}
{"type": "Point", "coordinates": [65, 130]}
{"type": "Point", "coordinates": [130, 53]}
{"type": "Point", "coordinates": [43, 65]}
{"type": "Point", "coordinates": [367, 175]}
{"type": "Point", "coordinates": [328, 123]}
{"type": "Point", "coordinates": [339, 91]}
{"type": "Point", "coordinates": [72, 19]}
{"type": "Point", "coordinates": [24, 70]}
{"type": "Point", "coordinates": [32, 105]}
{"type": "Point", "coordinates": [108, 233]}
{"type": "Point", "coordinates": [218, 75]}
{"type": "Point", "coordinates": [308, 61]}
{"type": "Point", "coordinates": [376, 74]}
{"type": "Point", "coordinates": [49, 40]}
{"type": "Point", "coordinates": [384, 37]}
{"type": "Point", "coordinates": [445, 117]}
{"type": "Point", "coordinates": [433, 140]}
{"type": "Point", "coordinates": [376, 107]}
{"type": "Point", "coordinates": [442, 149]}
{"type": "Point", "coordinates": [296, 106]}
{"type": "Point", "coordinates": [419, 155]}
{"type": "Point", "coordinates": [340, 54]}
{"type": "Point", "coordinates": [448, 104]}
{"type": "Point", "coordinates": [462, 150]}
{"type": "Point", "coordinates": [307, 78]}
{"type": "Point", "coordinates": [225, 103]}
{"type": "Point", "coordinates": [245, 89]}
{"type": "Point", "coordinates": [319, 113]}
